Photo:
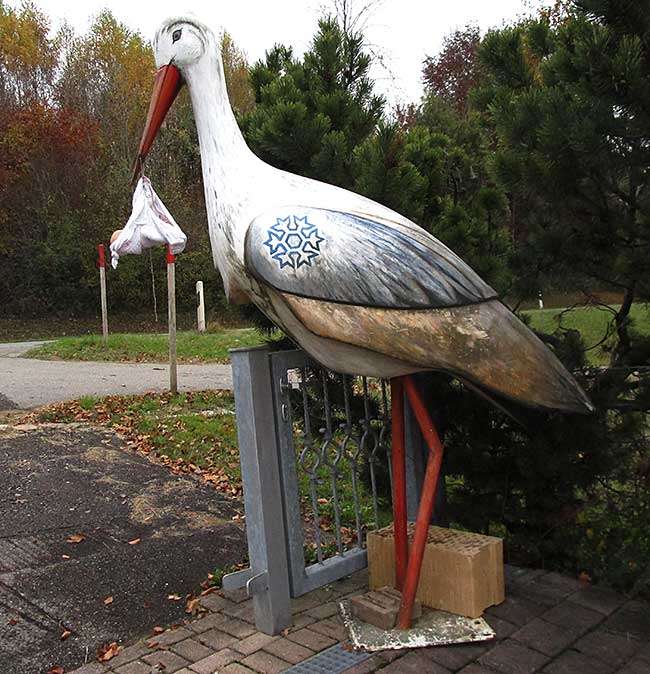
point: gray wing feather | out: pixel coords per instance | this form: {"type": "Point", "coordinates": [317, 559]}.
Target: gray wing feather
{"type": "Point", "coordinates": [355, 259]}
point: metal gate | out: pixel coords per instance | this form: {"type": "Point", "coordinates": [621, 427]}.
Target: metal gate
{"type": "Point", "coordinates": [315, 459]}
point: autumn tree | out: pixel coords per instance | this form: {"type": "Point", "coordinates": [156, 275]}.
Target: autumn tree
{"type": "Point", "coordinates": [456, 69]}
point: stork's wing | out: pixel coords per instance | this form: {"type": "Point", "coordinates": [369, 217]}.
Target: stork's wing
{"type": "Point", "coordinates": [354, 258]}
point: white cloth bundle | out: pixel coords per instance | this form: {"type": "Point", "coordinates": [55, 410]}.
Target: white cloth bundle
{"type": "Point", "coordinates": [150, 224]}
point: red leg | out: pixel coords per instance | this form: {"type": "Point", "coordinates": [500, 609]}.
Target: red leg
{"type": "Point", "coordinates": [398, 461]}
{"type": "Point", "coordinates": [426, 502]}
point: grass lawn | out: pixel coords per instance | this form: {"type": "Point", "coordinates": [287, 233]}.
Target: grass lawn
{"type": "Point", "coordinates": [592, 322]}
{"type": "Point", "coordinates": [191, 347]}
{"type": "Point", "coordinates": [196, 433]}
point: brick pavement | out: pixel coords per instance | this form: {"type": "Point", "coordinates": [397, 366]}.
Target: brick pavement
{"type": "Point", "coordinates": [549, 624]}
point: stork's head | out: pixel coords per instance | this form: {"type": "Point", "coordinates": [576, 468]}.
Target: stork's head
{"type": "Point", "coordinates": [179, 44]}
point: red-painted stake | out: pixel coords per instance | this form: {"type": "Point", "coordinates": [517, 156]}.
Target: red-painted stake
{"type": "Point", "coordinates": [426, 502]}
{"type": "Point", "coordinates": [398, 461]}
{"type": "Point", "coordinates": [101, 260]}
{"type": "Point", "coordinates": [171, 316]}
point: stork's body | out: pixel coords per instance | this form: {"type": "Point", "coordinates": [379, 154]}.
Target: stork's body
{"type": "Point", "coordinates": [359, 287]}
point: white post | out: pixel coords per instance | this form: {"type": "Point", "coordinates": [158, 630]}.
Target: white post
{"type": "Point", "coordinates": [200, 307]}
{"type": "Point", "coordinates": [102, 286]}
{"type": "Point", "coordinates": [171, 316]}
{"type": "Point", "coordinates": [540, 300]}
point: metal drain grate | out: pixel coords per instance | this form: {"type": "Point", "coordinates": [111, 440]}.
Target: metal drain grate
{"type": "Point", "coordinates": [332, 661]}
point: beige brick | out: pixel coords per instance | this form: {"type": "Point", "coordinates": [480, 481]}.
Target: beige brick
{"type": "Point", "coordinates": [215, 639]}
{"type": "Point", "coordinates": [192, 650]}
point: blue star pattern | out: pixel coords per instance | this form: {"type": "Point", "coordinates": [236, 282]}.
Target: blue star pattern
{"type": "Point", "coordinates": [293, 242]}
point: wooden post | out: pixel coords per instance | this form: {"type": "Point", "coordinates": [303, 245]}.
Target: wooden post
{"type": "Point", "coordinates": [171, 319]}
{"type": "Point", "coordinates": [200, 307]}
{"type": "Point", "coordinates": [102, 286]}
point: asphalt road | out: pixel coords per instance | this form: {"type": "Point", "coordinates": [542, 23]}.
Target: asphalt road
{"type": "Point", "coordinates": [94, 539]}
{"type": "Point", "coordinates": [26, 383]}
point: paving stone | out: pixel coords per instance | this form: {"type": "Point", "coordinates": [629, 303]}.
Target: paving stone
{"type": "Point", "coordinates": [192, 650]}
{"type": "Point", "coordinates": [207, 623]}
{"type": "Point", "coordinates": [313, 640]}
{"type": "Point", "coordinates": [456, 656]}
{"type": "Point", "coordinates": [413, 662]}
{"type": "Point", "coordinates": [300, 621]}
{"type": "Point", "coordinates": [635, 667]}
{"type": "Point", "coordinates": [235, 668]}
{"type": "Point", "coordinates": [560, 581]}
{"type": "Point", "coordinates": [510, 657]}
{"type": "Point", "coordinates": [608, 647]}
{"type": "Point", "coordinates": [126, 655]}
{"type": "Point", "coordinates": [367, 666]}
{"type": "Point", "coordinates": [599, 599]}
{"type": "Point", "coordinates": [632, 619]}
{"type": "Point", "coordinates": [92, 668]}
{"type": "Point", "coordinates": [573, 616]}
{"type": "Point", "coordinates": [502, 628]}
{"type": "Point", "coordinates": [332, 628]}
{"type": "Point", "coordinates": [289, 650]}
{"type": "Point", "coordinates": [326, 610]}
{"type": "Point", "coordinates": [573, 662]}
{"type": "Point", "coordinates": [546, 637]}
{"type": "Point", "coordinates": [516, 610]}
{"type": "Point", "coordinates": [244, 611]}
{"type": "Point", "coordinates": [171, 637]}
{"type": "Point", "coordinates": [476, 669]}
{"type": "Point", "coordinates": [215, 639]}
{"type": "Point", "coordinates": [516, 575]}
{"type": "Point", "coordinates": [215, 602]}
{"type": "Point", "coordinates": [236, 596]}
{"type": "Point", "coordinates": [644, 653]}
{"type": "Point", "coordinates": [215, 662]}
{"type": "Point", "coordinates": [265, 663]}
{"type": "Point", "coordinates": [253, 643]}
{"type": "Point", "coordinates": [390, 655]}
{"type": "Point", "coordinates": [311, 600]}
{"type": "Point", "coordinates": [169, 662]}
{"type": "Point", "coordinates": [136, 667]}
{"type": "Point", "coordinates": [184, 671]}
{"type": "Point", "coordinates": [238, 628]}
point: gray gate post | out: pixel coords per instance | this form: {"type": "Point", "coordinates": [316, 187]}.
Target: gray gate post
{"type": "Point", "coordinates": [268, 578]}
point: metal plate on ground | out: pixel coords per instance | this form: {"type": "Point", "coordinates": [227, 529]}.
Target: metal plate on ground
{"type": "Point", "coordinates": [434, 628]}
{"type": "Point", "coordinates": [334, 660]}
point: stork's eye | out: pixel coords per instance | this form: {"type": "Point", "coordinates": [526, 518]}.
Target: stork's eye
{"type": "Point", "coordinates": [176, 35]}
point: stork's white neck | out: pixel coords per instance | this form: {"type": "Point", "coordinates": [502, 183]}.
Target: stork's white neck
{"type": "Point", "coordinates": [229, 167]}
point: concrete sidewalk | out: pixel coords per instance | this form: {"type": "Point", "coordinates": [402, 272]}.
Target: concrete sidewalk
{"type": "Point", "coordinates": [549, 623]}
{"type": "Point", "coordinates": [26, 382]}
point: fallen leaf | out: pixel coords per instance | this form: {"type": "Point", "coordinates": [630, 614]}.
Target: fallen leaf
{"type": "Point", "coordinates": [285, 632]}
{"type": "Point", "coordinates": [192, 606]}
{"type": "Point", "coordinates": [65, 556]}
{"type": "Point", "coordinates": [107, 652]}
{"type": "Point", "coordinates": [158, 630]}
{"type": "Point", "coordinates": [108, 600]}
{"type": "Point", "coordinates": [135, 541]}
{"type": "Point", "coordinates": [174, 597]}
{"type": "Point", "coordinates": [76, 538]}
{"type": "Point", "coordinates": [65, 635]}
{"type": "Point", "coordinates": [13, 621]}
{"type": "Point", "coordinates": [56, 670]}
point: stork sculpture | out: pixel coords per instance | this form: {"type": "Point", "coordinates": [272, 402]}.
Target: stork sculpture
{"type": "Point", "coordinates": [362, 289]}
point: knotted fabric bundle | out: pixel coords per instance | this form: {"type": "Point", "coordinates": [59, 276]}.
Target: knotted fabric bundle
{"type": "Point", "coordinates": [150, 224]}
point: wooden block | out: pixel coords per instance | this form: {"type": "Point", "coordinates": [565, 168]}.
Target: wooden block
{"type": "Point", "coordinates": [462, 572]}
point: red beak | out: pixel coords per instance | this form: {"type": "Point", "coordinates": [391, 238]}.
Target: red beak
{"type": "Point", "coordinates": [166, 86]}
